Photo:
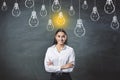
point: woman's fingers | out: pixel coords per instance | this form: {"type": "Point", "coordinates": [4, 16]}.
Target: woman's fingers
{"type": "Point", "coordinates": [49, 63]}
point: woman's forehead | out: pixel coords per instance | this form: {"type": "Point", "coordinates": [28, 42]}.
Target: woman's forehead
{"type": "Point", "coordinates": [60, 33]}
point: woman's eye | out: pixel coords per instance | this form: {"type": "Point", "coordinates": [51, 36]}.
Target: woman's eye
{"type": "Point", "coordinates": [63, 36]}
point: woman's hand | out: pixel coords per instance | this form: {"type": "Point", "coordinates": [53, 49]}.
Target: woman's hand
{"type": "Point", "coordinates": [68, 65]}
{"type": "Point", "coordinates": [49, 62]}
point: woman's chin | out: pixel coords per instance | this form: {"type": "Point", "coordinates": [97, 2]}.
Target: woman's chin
{"type": "Point", "coordinates": [61, 43]}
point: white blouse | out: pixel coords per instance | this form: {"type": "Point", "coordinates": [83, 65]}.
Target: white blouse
{"type": "Point", "coordinates": [66, 55]}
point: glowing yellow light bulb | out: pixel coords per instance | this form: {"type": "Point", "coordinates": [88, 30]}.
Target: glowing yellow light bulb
{"type": "Point", "coordinates": [60, 19]}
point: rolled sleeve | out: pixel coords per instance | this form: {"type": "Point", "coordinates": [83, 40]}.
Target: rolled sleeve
{"type": "Point", "coordinates": [50, 68]}
{"type": "Point", "coordinates": [72, 57]}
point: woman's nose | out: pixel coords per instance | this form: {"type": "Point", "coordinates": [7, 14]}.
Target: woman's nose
{"type": "Point", "coordinates": [61, 39]}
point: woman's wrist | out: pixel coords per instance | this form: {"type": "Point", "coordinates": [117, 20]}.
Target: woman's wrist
{"type": "Point", "coordinates": [62, 67]}
{"type": "Point", "coordinates": [66, 66]}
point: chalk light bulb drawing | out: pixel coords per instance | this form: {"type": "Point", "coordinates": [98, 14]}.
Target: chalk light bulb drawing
{"type": "Point", "coordinates": [115, 23]}
{"type": "Point", "coordinates": [60, 19]}
{"type": "Point", "coordinates": [50, 26]}
{"type": "Point", "coordinates": [33, 20]}
{"type": "Point", "coordinates": [109, 7]}
{"type": "Point", "coordinates": [56, 7]}
{"type": "Point", "coordinates": [4, 6]}
{"type": "Point", "coordinates": [29, 3]}
{"type": "Point", "coordinates": [85, 5]}
{"type": "Point", "coordinates": [16, 11]}
{"type": "Point", "coordinates": [43, 11]}
{"type": "Point", "coordinates": [71, 11]}
{"type": "Point", "coordinates": [94, 14]}
{"type": "Point", "coordinates": [79, 30]}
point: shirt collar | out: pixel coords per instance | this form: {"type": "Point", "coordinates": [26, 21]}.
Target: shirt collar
{"type": "Point", "coordinates": [65, 46]}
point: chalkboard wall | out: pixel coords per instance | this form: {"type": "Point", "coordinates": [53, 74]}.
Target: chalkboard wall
{"type": "Point", "coordinates": [22, 48]}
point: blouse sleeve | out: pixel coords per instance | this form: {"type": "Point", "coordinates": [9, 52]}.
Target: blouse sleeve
{"type": "Point", "coordinates": [71, 60]}
{"type": "Point", "coordinates": [50, 68]}
{"type": "Point", "coordinates": [72, 57]}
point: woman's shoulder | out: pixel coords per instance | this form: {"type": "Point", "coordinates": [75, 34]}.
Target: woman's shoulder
{"type": "Point", "coordinates": [51, 47]}
{"type": "Point", "coordinates": [69, 47]}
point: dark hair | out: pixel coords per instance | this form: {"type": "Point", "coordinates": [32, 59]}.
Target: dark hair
{"type": "Point", "coordinates": [60, 30]}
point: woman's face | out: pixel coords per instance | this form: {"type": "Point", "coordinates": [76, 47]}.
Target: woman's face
{"type": "Point", "coordinates": [60, 37]}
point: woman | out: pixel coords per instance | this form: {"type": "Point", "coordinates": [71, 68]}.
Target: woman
{"type": "Point", "coordinates": [60, 58]}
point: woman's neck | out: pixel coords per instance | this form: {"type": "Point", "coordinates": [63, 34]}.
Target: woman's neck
{"type": "Point", "coordinates": [59, 47]}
